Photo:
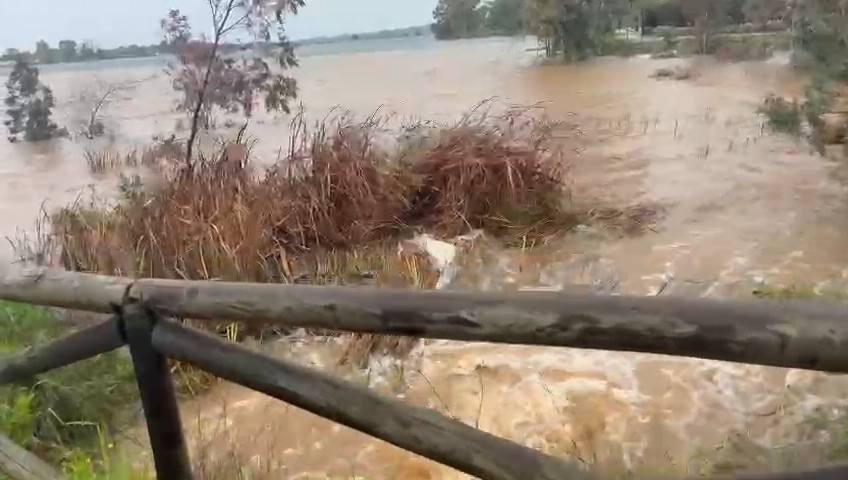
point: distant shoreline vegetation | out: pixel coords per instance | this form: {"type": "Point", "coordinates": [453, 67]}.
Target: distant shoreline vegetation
{"type": "Point", "coordinates": [70, 51]}
{"type": "Point", "coordinates": [415, 31]}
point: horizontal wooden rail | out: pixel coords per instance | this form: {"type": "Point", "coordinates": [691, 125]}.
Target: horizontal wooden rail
{"type": "Point", "coordinates": [809, 335]}
{"type": "Point", "coordinates": [59, 288]}
{"type": "Point", "coordinates": [80, 345]}
{"type": "Point", "coordinates": [418, 430]}
{"type": "Point", "coordinates": [788, 334]}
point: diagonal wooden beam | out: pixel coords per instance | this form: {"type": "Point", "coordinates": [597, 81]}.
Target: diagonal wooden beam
{"type": "Point", "coordinates": [81, 345]}
{"type": "Point", "coordinates": [418, 430]}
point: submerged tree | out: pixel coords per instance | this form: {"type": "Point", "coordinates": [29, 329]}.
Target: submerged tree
{"type": "Point", "coordinates": [208, 79]}
{"type": "Point", "coordinates": [29, 105]}
{"type": "Point", "coordinates": [573, 28]}
{"type": "Point", "coordinates": [458, 19]}
{"type": "Point", "coordinates": [505, 17]}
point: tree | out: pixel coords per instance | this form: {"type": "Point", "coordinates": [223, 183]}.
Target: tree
{"type": "Point", "coordinates": [207, 79]}
{"type": "Point", "coordinates": [67, 51]}
{"type": "Point", "coordinates": [641, 7]}
{"type": "Point", "coordinates": [573, 28]}
{"type": "Point", "coordinates": [762, 11]}
{"type": "Point", "coordinates": [663, 13]}
{"type": "Point", "coordinates": [457, 19]}
{"type": "Point", "coordinates": [95, 99]}
{"type": "Point", "coordinates": [707, 16]}
{"type": "Point", "coordinates": [29, 105]}
{"type": "Point", "coordinates": [11, 54]}
{"type": "Point", "coordinates": [43, 53]}
{"type": "Point", "coordinates": [87, 51]}
{"type": "Point", "coordinates": [820, 29]}
{"type": "Point", "coordinates": [505, 17]}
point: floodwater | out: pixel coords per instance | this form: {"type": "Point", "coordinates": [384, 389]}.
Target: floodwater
{"type": "Point", "coordinates": [741, 207]}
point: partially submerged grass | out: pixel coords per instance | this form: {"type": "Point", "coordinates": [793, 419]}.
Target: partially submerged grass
{"type": "Point", "coordinates": [334, 208]}
{"type": "Point", "coordinates": [340, 188]}
{"type": "Point", "coordinates": [162, 153]}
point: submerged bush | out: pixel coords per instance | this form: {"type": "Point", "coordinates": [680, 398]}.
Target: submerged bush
{"type": "Point", "coordinates": [782, 115]}
{"type": "Point", "coordinates": [29, 105]}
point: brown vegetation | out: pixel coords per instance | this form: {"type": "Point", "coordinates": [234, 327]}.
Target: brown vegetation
{"type": "Point", "coordinates": [505, 178]}
{"type": "Point", "coordinates": [332, 210]}
{"type": "Point", "coordinates": [340, 188]}
{"type": "Point", "coordinates": [162, 153]}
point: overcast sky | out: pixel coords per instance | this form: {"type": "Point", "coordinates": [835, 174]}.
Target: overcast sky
{"type": "Point", "coordinates": [109, 23]}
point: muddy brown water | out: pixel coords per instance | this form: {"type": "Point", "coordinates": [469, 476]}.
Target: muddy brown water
{"type": "Point", "coordinates": [742, 207]}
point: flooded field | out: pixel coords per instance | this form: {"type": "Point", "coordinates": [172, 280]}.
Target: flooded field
{"type": "Point", "coordinates": [740, 207]}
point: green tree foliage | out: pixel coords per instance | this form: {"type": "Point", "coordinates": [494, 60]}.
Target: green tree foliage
{"type": "Point", "coordinates": [29, 105]}
{"type": "Point", "coordinates": [667, 12]}
{"type": "Point", "coordinates": [641, 9]}
{"type": "Point", "coordinates": [43, 53]}
{"type": "Point", "coordinates": [761, 12]}
{"type": "Point", "coordinates": [505, 17]}
{"type": "Point", "coordinates": [86, 52]}
{"type": "Point", "coordinates": [820, 29]}
{"type": "Point", "coordinates": [10, 54]}
{"type": "Point", "coordinates": [458, 19]}
{"type": "Point", "coordinates": [574, 29]}
{"type": "Point", "coordinates": [707, 16]}
{"type": "Point", "coordinates": [67, 51]}
{"type": "Point", "coordinates": [820, 39]}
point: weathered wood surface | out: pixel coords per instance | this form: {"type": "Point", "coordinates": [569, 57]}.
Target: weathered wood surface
{"type": "Point", "coordinates": [809, 335]}
{"type": "Point", "coordinates": [784, 334]}
{"type": "Point", "coordinates": [158, 397]}
{"type": "Point", "coordinates": [58, 288]}
{"type": "Point", "coordinates": [19, 464]}
{"type": "Point", "coordinates": [418, 430]}
{"type": "Point", "coordinates": [83, 344]}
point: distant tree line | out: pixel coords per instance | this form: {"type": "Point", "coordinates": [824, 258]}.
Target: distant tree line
{"type": "Point", "coordinates": [72, 51]}
{"type": "Point", "coordinates": [473, 18]}
{"type": "Point", "coordinates": [68, 51]}
{"type": "Point", "coordinates": [576, 29]}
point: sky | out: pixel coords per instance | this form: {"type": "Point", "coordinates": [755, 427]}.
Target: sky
{"type": "Point", "coordinates": [109, 23]}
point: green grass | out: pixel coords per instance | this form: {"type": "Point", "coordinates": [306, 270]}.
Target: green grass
{"type": "Point", "coordinates": [67, 415]}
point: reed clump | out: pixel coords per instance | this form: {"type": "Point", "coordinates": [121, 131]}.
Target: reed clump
{"type": "Point", "coordinates": [344, 189]}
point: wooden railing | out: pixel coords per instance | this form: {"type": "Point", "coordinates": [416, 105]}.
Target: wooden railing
{"type": "Point", "coordinates": [786, 334]}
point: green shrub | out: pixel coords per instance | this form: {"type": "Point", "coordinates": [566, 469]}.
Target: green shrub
{"type": "Point", "coordinates": [782, 115]}
{"type": "Point", "coordinates": [670, 41]}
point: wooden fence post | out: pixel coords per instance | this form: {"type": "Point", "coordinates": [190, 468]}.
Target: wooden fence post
{"type": "Point", "coordinates": [158, 398]}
